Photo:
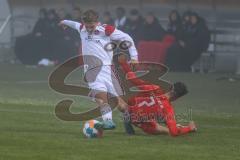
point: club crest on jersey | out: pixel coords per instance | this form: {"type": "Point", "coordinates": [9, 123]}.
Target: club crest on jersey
{"type": "Point", "coordinates": [96, 32]}
{"type": "Point", "coordinates": [90, 37]}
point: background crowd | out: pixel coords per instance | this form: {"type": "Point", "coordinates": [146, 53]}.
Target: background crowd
{"type": "Point", "coordinates": [48, 40]}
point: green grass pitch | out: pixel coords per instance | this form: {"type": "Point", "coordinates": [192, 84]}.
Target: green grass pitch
{"type": "Point", "coordinates": [29, 129]}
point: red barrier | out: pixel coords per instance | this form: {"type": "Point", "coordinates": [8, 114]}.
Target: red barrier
{"type": "Point", "coordinates": [154, 51]}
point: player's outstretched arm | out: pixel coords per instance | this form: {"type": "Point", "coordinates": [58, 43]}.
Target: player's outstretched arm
{"type": "Point", "coordinates": [71, 24]}
{"type": "Point", "coordinates": [118, 35]}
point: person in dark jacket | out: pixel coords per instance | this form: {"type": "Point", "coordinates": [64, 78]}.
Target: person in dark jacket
{"type": "Point", "coordinates": [121, 19]}
{"type": "Point", "coordinates": [107, 18]}
{"type": "Point", "coordinates": [40, 26]}
{"type": "Point", "coordinates": [77, 14]}
{"type": "Point", "coordinates": [53, 34]}
{"type": "Point", "coordinates": [64, 47]}
{"type": "Point", "coordinates": [186, 26]}
{"type": "Point", "coordinates": [152, 30]}
{"type": "Point", "coordinates": [175, 24]}
{"type": "Point", "coordinates": [135, 25]}
{"type": "Point", "coordinates": [196, 37]}
{"type": "Point", "coordinates": [32, 47]}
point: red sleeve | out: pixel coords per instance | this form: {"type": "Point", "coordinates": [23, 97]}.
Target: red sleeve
{"type": "Point", "coordinates": [109, 30]}
{"type": "Point", "coordinates": [169, 116]}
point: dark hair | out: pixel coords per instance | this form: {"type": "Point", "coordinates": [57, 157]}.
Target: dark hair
{"type": "Point", "coordinates": [155, 19]}
{"type": "Point", "coordinates": [180, 88]}
{"type": "Point", "coordinates": [175, 12]}
{"type": "Point", "coordinates": [107, 13]}
{"type": "Point", "coordinates": [194, 14]}
{"type": "Point", "coordinates": [150, 14]}
{"type": "Point", "coordinates": [90, 16]}
{"type": "Point", "coordinates": [186, 13]}
{"type": "Point", "coordinates": [52, 11]}
{"type": "Point", "coordinates": [121, 9]}
{"type": "Point", "coordinates": [134, 12]}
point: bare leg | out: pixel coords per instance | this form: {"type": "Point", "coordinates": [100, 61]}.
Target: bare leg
{"type": "Point", "coordinates": [122, 105]}
{"type": "Point", "coordinates": [161, 129]}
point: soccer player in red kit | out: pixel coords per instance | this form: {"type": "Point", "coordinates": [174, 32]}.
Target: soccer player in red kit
{"type": "Point", "coordinates": [148, 108]}
{"type": "Point", "coordinates": [150, 105]}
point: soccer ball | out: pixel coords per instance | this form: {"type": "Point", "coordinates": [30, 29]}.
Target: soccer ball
{"type": "Point", "coordinates": [89, 131]}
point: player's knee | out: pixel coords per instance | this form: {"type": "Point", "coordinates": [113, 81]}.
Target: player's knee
{"type": "Point", "coordinates": [101, 102]}
{"type": "Point", "coordinates": [122, 108]}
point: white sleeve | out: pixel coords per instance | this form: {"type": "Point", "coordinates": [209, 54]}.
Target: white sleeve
{"type": "Point", "coordinates": [72, 24]}
{"type": "Point", "coordinates": [118, 35]}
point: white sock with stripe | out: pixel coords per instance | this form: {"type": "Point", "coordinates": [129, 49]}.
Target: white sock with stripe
{"type": "Point", "coordinates": [106, 112]}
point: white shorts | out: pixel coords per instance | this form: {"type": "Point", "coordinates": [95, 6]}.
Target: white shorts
{"type": "Point", "coordinates": [103, 79]}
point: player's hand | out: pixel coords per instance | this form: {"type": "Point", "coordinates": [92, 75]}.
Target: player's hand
{"type": "Point", "coordinates": [193, 126]}
{"type": "Point", "coordinates": [61, 24]}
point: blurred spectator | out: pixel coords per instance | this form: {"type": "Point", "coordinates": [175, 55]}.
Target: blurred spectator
{"type": "Point", "coordinates": [62, 14]}
{"type": "Point", "coordinates": [107, 18]}
{"type": "Point", "coordinates": [40, 26]}
{"type": "Point", "coordinates": [186, 24]}
{"type": "Point", "coordinates": [53, 34]}
{"type": "Point", "coordinates": [39, 42]}
{"type": "Point", "coordinates": [175, 24]}
{"type": "Point", "coordinates": [33, 47]}
{"type": "Point", "coordinates": [134, 27]}
{"type": "Point", "coordinates": [52, 22]}
{"type": "Point", "coordinates": [152, 30]}
{"type": "Point", "coordinates": [64, 46]}
{"type": "Point", "coordinates": [77, 14]}
{"type": "Point", "coordinates": [186, 17]}
{"type": "Point", "coordinates": [198, 39]}
{"type": "Point", "coordinates": [195, 40]}
{"type": "Point", "coordinates": [48, 41]}
{"type": "Point", "coordinates": [121, 19]}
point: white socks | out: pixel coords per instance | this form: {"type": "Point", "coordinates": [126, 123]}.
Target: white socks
{"type": "Point", "coordinates": [106, 112]}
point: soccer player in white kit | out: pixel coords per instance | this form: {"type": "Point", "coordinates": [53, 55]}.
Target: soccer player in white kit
{"type": "Point", "coordinates": [95, 37]}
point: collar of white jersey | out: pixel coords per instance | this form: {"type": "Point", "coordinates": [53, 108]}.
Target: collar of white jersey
{"type": "Point", "coordinates": [99, 27]}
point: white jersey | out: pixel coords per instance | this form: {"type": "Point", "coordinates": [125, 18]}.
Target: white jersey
{"type": "Point", "coordinates": [94, 44]}
{"type": "Point", "coordinates": [98, 73]}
